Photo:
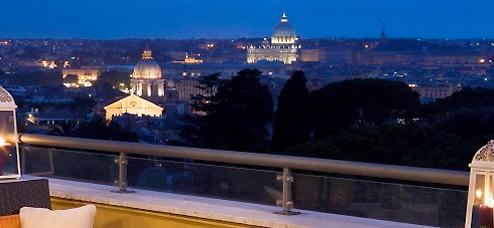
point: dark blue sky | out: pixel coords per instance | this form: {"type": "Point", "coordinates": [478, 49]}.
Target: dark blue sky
{"type": "Point", "coordinates": [244, 18]}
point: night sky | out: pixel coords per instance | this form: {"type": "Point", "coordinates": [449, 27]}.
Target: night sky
{"type": "Point", "coordinates": [107, 19]}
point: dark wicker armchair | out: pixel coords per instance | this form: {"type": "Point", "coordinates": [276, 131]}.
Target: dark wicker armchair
{"type": "Point", "coordinates": [25, 193]}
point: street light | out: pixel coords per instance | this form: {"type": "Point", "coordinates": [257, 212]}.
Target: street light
{"type": "Point", "coordinates": [9, 148]}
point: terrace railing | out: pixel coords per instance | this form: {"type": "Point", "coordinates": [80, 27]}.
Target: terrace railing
{"type": "Point", "coordinates": [399, 193]}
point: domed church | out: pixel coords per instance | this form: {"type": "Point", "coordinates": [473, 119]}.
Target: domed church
{"type": "Point", "coordinates": [146, 80]}
{"type": "Point", "coordinates": [146, 91]}
{"type": "Point", "coordinates": [282, 46]}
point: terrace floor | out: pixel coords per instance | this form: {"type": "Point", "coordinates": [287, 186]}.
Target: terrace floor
{"type": "Point", "coordinates": [149, 209]}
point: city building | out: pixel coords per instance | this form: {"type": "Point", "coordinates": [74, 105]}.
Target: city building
{"type": "Point", "coordinates": [47, 64]}
{"type": "Point", "coordinates": [86, 75]}
{"type": "Point", "coordinates": [190, 59]}
{"type": "Point", "coordinates": [135, 105]}
{"type": "Point", "coordinates": [282, 46]}
{"type": "Point", "coordinates": [226, 70]}
{"type": "Point", "coordinates": [146, 80]}
{"type": "Point", "coordinates": [430, 93]}
{"type": "Point", "coordinates": [187, 87]}
{"type": "Point", "coordinates": [310, 55]}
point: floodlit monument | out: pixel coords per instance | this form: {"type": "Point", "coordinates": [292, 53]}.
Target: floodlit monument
{"type": "Point", "coordinates": [147, 91]}
{"type": "Point", "coordinates": [146, 80]}
{"type": "Point", "coordinates": [282, 46]}
{"type": "Point", "coordinates": [134, 105]}
{"type": "Point", "coordinates": [86, 76]}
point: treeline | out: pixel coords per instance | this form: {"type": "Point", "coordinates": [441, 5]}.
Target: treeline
{"type": "Point", "coordinates": [370, 120]}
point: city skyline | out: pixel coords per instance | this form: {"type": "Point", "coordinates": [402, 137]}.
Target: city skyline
{"type": "Point", "coordinates": [236, 19]}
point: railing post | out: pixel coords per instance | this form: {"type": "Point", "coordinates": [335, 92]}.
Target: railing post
{"type": "Point", "coordinates": [286, 202]}
{"type": "Point", "coordinates": [121, 182]}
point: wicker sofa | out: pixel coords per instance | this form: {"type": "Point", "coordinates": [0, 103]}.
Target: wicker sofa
{"type": "Point", "coordinates": [23, 193]}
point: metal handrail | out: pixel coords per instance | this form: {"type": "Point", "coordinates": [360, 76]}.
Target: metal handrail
{"type": "Point", "coordinates": [405, 173]}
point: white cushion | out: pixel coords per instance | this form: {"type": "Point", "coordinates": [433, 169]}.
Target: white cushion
{"type": "Point", "coordinates": [82, 217]}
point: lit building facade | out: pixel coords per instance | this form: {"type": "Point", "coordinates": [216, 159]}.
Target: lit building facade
{"type": "Point", "coordinates": [282, 46]}
{"type": "Point", "coordinates": [186, 88]}
{"type": "Point", "coordinates": [85, 76]}
{"type": "Point", "coordinates": [134, 105]}
{"type": "Point", "coordinates": [146, 80]}
{"type": "Point", "coordinates": [146, 91]}
{"type": "Point", "coordinates": [430, 93]}
{"type": "Point", "coordinates": [192, 59]}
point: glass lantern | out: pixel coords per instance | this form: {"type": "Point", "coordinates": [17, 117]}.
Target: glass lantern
{"type": "Point", "coordinates": [481, 188]}
{"type": "Point", "coordinates": [9, 148]}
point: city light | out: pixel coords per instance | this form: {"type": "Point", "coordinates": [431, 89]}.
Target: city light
{"type": "Point", "coordinates": [238, 79]}
{"type": "Point", "coordinates": [3, 143]}
{"type": "Point", "coordinates": [48, 64]}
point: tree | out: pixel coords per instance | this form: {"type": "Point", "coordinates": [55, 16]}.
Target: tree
{"type": "Point", "coordinates": [407, 144]}
{"type": "Point", "coordinates": [467, 98]}
{"type": "Point", "coordinates": [359, 102]}
{"type": "Point", "coordinates": [82, 105]}
{"type": "Point", "coordinates": [98, 128]}
{"type": "Point", "coordinates": [193, 128]}
{"type": "Point", "coordinates": [114, 78]}
{"type": "Point", "coordinates": [208, 85]}
{"type": "Point", "coordinates": [237, 116]}
{"type": "Point", "coordinates": [241, 110]}
{"type": "Point", "coordinates": [291, 125]}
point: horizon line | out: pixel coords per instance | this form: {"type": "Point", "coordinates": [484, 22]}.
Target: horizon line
{"type": "Point", "coordinates": [240, 38]}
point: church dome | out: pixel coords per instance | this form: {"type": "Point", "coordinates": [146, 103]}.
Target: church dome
{"type": "Point", "coordinates": [147, 68]}
{"type": "Point", "coordinates": [284, 29]}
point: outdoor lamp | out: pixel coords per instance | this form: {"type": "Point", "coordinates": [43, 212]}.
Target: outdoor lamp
{"type": "Point", "coordinates": [9, 149]}
{"type": "Point", "coordinates": [480, 190]}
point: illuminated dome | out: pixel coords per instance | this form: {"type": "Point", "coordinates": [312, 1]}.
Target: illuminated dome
{"type": "Point", "coordinates": [147, 68]}
{"type": "Point", "coordinates": [284, 29]}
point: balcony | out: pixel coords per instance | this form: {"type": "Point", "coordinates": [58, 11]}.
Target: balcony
{"type": "Point", "coordinates": [143, 185]}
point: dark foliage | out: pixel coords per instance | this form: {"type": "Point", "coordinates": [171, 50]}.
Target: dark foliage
{"type": "Point", "coordinates": [341, 105]}
{"type": "Point", "coordinates": [113, 78]}
{"type": "Point", "coordinates": [98, 128]}
{"type": "Point", "coordinates": [291, 123]}
{"type": "Point", "coordinates": [444, 134]}
{"type": "Point", "coordinates": [402, 144]}
{"type": "Point", "coordinates": [237, 116]}
{"type": "Point", "coordinates": [195, 129]}
{"type": "Point", "coordinates": [82, 105]}
{"type": "Point", "coordinates": [467, 98]}
{"type": "Point", "coordinates": [242, 108]}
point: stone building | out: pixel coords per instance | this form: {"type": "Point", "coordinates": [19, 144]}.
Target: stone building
{"type": "Point", "coordinates": [282, 46]}
{"type": "Point", "coordinates": [85, 75]}
{"type": "Point", "coordinates": [134, 105]}
{"type": "Point", "coordinates": [146, 80]}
